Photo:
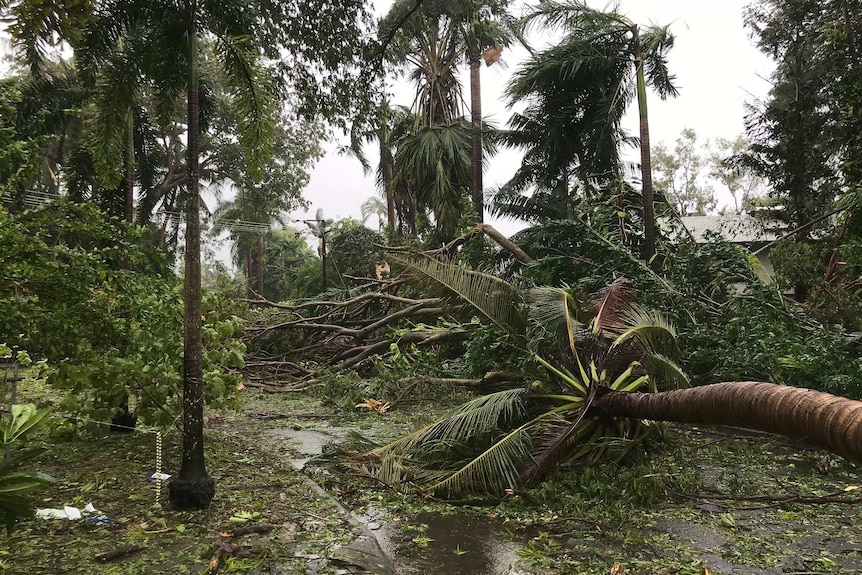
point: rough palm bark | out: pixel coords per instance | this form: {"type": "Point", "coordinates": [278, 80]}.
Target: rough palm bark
{"type": "Point", "coordinates": [476, 119]}
{"type": "Point", "coordinates": [194, 488]}
{"type": "Point", "coordinates": [831, 422]}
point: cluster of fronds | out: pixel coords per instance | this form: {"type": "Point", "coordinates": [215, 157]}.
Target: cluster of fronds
{"type": "Point", "coordinates": [503, 440]}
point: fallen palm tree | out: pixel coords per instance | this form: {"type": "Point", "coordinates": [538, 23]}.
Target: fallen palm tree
{"type": "Point", "coordinates": [608, 369]}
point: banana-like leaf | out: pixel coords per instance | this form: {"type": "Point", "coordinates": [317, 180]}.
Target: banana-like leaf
{"type": "Point", "coordinates": [25, 417]}
{"type": "Point", "coordinates": [21, 482]}
{"type": "Point", "coordinates": [499, 301]}
{"type": "Point", "coordinates": [14, 489]}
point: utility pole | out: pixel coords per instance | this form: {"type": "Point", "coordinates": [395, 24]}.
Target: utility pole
{"type": "Point", "coordinates": [323, 253]}
{"type": "Point", "coordinates": [320, 232]}
{"type": "Point", "coordinates": [260, 265]}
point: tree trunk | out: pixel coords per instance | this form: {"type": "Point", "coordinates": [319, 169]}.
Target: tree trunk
{"type": "Point", "coordinates": [476, 118]}
{"type": "Point", "coordinates": [130, 170]}
{"type": "Point", "coordinates": [646, 161]}
{"type": "Point", "coordinates": [387, 163]}
{"type": "Point", "coordinates": [323, 254]}
{"type": "Point", "coordinates": [194, 488]}
{"type": "Point", "coordinates": [249, 271]}
{"type": "Point", "coordinates": [830, 422]}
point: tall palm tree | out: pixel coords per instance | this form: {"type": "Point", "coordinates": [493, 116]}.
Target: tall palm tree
{"type": "Point", "coordinates": [635, 57]}
{"type": "Point", "coordinates": [171, 41]}
{"type": "Point", "coordinates": [486, 28]}
{"type": "Point", "coordinates": [432, 162]}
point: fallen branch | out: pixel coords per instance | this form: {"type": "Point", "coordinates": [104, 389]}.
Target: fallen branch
{"type": "Point", "coordinates": [422, 337]}
{"type": "Point", "coordinates": [227, 545]}
{"type": "Point", "coordinates": [109, 556]}
{"type": "Point", "coordinates": [837, 497]}
{"type": "Point", "coordinates": [506, 244]}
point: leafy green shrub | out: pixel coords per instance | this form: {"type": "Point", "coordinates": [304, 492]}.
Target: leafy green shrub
{"type": "Point", "coordinates": [147, 365]}
{"type": "Point", "coordinates": [77, 291]}
{"type": "Point", "coordinates": [21, 422]}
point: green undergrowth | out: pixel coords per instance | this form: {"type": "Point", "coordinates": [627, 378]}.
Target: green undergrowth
{"type": "Point", "coordinates": [684, 506]}
{"type": "Point", "coordinates": [688, 500]}
{"type": "Point", "coordinates": [253, 488]}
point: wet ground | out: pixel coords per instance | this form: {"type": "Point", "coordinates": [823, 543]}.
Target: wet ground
{"type": "Point", "coordinates": [724, 536]}
{"type": "Point", "coordinates": [457, 543]}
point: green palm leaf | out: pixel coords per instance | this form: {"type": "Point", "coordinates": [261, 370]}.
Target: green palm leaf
{"type": "Point", "coordinates": [480, 415]}
{"type": "Point", "coordinates": [664, 372]}
{"type": "Point", "coordinates": [497, 300]}
{"type": "Point", "coordinates": [494, 470]}
{"type": "Point", "coordinates": [651, 329]}
{"type": "Point", "coordinates": [553, 315]}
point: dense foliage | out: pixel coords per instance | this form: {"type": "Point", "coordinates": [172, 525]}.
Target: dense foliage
{"type": "Point", "coordinates": [107, 315]}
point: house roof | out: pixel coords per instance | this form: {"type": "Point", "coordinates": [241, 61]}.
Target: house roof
{"type": "Point", "coordinates": [737, 229]}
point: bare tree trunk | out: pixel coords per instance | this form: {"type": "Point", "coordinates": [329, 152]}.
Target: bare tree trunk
{"type": "Point", "coordinates": [476, 118]}
{"type": "Point", "coordinates": [130, 170]}
{"type": "Point", "coordinates": [194, 488]}
{"type": "Point", "coordinates": [249, 272]}
{"type": "Point", "coordinates": [646, 160]}
{"type": "Point", "coordinates": [828, 421]}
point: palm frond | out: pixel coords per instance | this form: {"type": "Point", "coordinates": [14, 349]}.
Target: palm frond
{"type": "Point", "coordinates": [497, 300]}
{"type": "Point", "coordinates": [478, 416]}
{"type": "Point", "coordinates": [553, 443]}
{"type": "Point", "coordinates": [651, 329]}
{"type": "Point", "coordinates": [553, 315]}
{"type": "Point", "coordinates": [494, 470]}
{"type": "Point", "coordinates": [610, 303]}
{"type": "Point", "coordinates": [664, 373]}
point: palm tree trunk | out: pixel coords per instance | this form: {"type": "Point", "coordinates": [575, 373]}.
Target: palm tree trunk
{"type": "Point", "coordinates": [194, 488]}
{"type": "Point", "coordinates": [130, 170]}
{"type": "Point", "coordinates": [646, 160]}
{"type": "Point", "coordinates": [387, 162]}
{"type": "Point", "coordinates": [476, 117]}
{"type": "Point", "coordinates": [830, 422]}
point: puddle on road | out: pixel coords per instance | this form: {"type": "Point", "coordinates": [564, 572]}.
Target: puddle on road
{"type": "Point", "coordinates": [460, 544]}
{"type": "Point", "coordinates": [308, 443]}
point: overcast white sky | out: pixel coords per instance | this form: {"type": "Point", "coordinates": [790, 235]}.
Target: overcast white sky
{"type": "Point", "coordinates": [717, 69]}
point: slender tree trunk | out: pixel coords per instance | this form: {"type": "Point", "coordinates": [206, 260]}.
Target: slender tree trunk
{"type": "Point", "coordinates": [323, 254]}
{"type": "Point", "coordinates": [830, 422]}
{"type": "Point", "coordinates": [249, 272]}
{"type": "Point", "coordinates": [130, 170]}
{"type": "Point", "coordinates": [194, 488]}
{"type": "Point", "coordinates": [646, 160]}
{"type": "Point", "coordinates": [387, 162]}
{"type": "Point", "coordinates": [476, 118]}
